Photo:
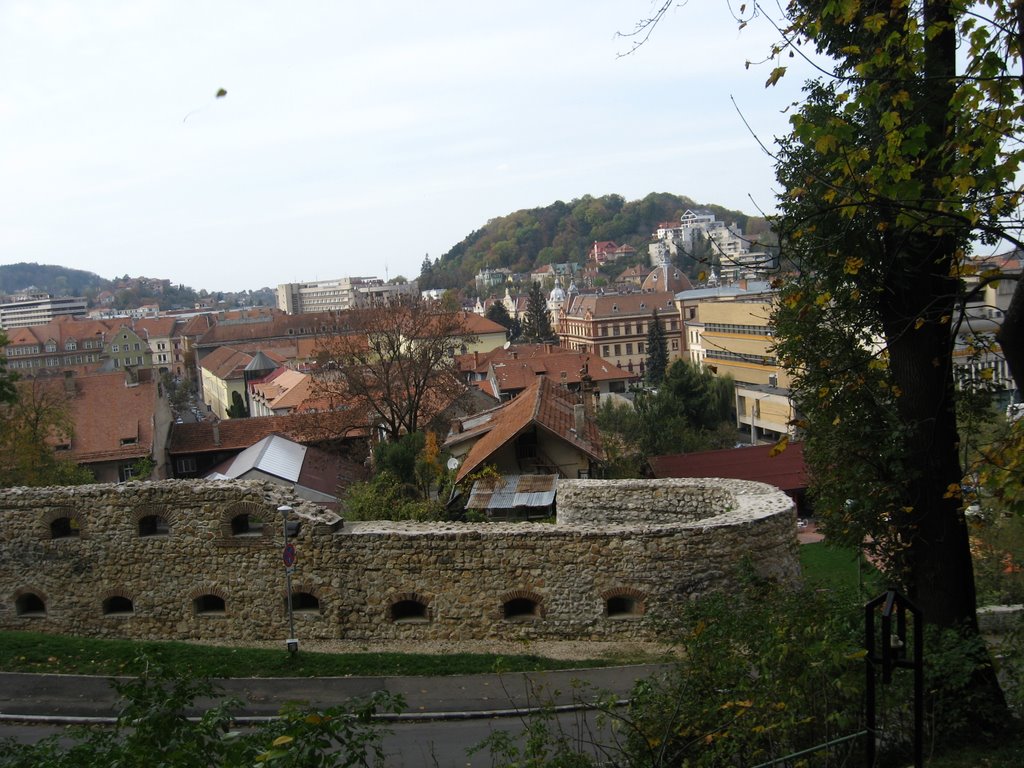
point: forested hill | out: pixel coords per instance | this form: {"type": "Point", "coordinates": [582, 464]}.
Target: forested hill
{"type": "Point", "coordinates": [565, 232]}
{"type": "Point", "coordinates": [49, 278]}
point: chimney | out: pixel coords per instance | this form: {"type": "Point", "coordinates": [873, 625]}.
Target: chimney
{"type": "Point", "coordinates": [216, 433]}
{"type": "Point", "coordinates": [587, 389]}
{"type": "Point", "coordinates": [476, 358]}
{"type": "Point", "coordinates": [579, 412]}
{"type": "Point", "coordinates": [547, 348]}
{"type": "Point", "coordinates": [456, 427]}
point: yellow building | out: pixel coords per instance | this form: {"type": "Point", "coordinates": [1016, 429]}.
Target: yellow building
{"type": "Point", "coordinates": [727, 330]}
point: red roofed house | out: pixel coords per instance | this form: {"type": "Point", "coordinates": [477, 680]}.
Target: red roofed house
{"type": "Point", "coordinates": [504, 373]}
{"type": "Point", "coordinates": [545, 430]}
{"type": "Point", "coordinates": [195, 449]}
{"type": "Point", "coordinates": [615, 326]}
{"type": "Point", "coordinates": [119, 418]}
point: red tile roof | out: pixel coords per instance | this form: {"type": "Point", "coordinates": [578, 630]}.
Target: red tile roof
{"type": "Point", "coordinates": [544, 404]}
{"type": "Point", "coordinates": [112, 419]}
{"type": "Point", "coordinates": [518, 366]}
{"type": "Point", "coordinates": [785, 470]}
{"type": "Point", "coordinates": [238, 434]}
{"type": "Point", "coordinates": [611, 305]}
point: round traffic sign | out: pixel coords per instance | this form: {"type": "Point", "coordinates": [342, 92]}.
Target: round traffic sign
{"type": "Point", "coordinates": [289, 555]}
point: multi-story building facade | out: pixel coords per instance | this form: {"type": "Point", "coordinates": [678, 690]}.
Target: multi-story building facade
{"type": "Point", "coordinates": [61, 344]}
{"type": "Point", "coordinates": [615, 326]}
{"type": "Point", "coordinates": [39, 309]}
{"type": "Point", "coordinates": [342, 293]}
{"type": "Point", "coordinates": [90, 344]}
{"type": "Point", "coordinates": [727, 329]}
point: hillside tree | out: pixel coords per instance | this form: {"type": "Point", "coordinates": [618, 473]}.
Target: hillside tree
{"type": "Point", "coordinates": [657, 351]}
{"type": "Point", "coordinates": [499, 314]}
{"type": "Point", "coordinates": [536, 323]}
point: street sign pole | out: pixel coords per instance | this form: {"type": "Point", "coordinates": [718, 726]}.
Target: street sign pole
{"type": "Point", "coordinates": [292, 643]}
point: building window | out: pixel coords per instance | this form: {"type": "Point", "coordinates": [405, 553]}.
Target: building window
{"type": "Point", "coordinates": [624, 603]}
{"type": "Point", "coordinates": [30, 605]}
{"type": "Point", "coordinates": [629, 349]}
{"type": "Point", "coordinates": [521, 609]}
{"type": "Point", "coordinates": [118, 605]}
{"type": "Point", "coordinates": [64, 528]}
{"type": "Point", "coordinates": [209, 605]}
{"type": "Point", "coordinates": [615, 330]}
{"type": "Point", "coordinates": [186, 465]}
{"type": "Point", "coordinates": [304, 602]}
{"type": "Point", "coordinates": [153, 525]}
{"type": "Point", "coordinates": [115, 348]}
{"type": "Point", "coordinates": [618, 350]}
{"type": "Point", "coordinates": [675, 345]}
{"type": "Point", "coordinates": [125, 472]}
{"type": "Point", "coordinates": [622, 606]}
{"type": "Point", "coordinates": [409, 612]}
{"type": "Point", "coordinates": [604, 351]}
{"type": "Point", "coordinates": [246, 525]}
{"type": "Point", "coordinates": [640, 348]}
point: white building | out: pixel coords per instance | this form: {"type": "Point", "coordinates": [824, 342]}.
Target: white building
{"type": "Point", "coordinates": [342, 293]}
{"type": "Point", "coordinates": [39, 309]}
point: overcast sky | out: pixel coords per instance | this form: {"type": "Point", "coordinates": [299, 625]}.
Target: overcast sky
{"type": "Point", "coordinates": [355, 137]}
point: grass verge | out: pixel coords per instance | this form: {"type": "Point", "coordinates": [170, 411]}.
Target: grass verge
{"type": "Point", "coordinates": [56, 654]}
{"type": "Point", "coordinates": [826, 565]}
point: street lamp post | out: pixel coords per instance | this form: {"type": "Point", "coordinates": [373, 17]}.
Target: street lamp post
{"type": "Point", "coordinates": [292, 643]}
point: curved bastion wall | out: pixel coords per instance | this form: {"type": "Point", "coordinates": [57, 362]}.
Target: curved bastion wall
{"type": "Point", "coordinates": [203, 560]}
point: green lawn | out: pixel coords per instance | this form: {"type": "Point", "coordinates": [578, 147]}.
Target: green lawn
{"type": "Point", "coordinates": [35, 652]}
{"type": "Point", "coordinates": [835, 567]}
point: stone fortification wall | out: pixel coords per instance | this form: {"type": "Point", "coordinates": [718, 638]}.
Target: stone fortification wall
{"type": "Point", "coordinates": [203, 560]}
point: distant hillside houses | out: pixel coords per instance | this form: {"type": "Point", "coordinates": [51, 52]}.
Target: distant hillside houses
{"type": "Point", "coordinates": [703, 234]}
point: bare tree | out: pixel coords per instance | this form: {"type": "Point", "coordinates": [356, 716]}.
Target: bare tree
{"type": "Point", "coordinates": [394, 365]}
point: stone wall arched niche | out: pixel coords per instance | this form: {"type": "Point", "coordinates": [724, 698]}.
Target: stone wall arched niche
{"type": "Point", "coordinates": [162, 560]}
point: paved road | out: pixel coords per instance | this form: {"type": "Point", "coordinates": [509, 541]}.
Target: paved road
{"type": "Point", "coordinates": [451, 697]}
{"type": "Point", "coordinates": [443, 717]}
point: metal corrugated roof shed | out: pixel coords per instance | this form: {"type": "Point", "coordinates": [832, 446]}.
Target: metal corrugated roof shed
{"type": "Point", "coordinates": [274, 455]}
{"type": "Point", "coordinates": [513, 491]}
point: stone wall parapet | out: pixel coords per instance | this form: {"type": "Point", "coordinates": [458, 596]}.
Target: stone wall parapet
{"type": "Point", "coordinates": [170, 560]}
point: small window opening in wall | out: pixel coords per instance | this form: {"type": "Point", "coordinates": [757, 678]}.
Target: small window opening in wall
{"type": "Point", "coordinates": [246, 525]}
{"type": "Point", "coordinates": [521, 608]}
{"type": "Point", "coordinates": [409, 612]}
{"type": "Point", "coordinates": [118, 605]}
{"type": "Point", "coordinates": [63, 528]}
{"type": "Point", "coordinates": [206, 605]}
{"type": "Point", "coordinates": [153, 525]}
{"type": "Point", "coordinates": [30, 605]}
{"type": "Point", "coordinates": [304, 602]}
{"type": "Point", "coordinates": [623, 606]}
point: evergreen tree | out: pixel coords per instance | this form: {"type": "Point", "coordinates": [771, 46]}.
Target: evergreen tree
{"type": "Point", "coordinates": [237, 409]}
{"type": "Point", "coordinates": [537, 323]}
{"type": "Point", "coordinates": [8, 394]}
{"type": "Point", "coordinates": [499, 314]}
{"type": "Point", "coordinates": [657, 352]}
